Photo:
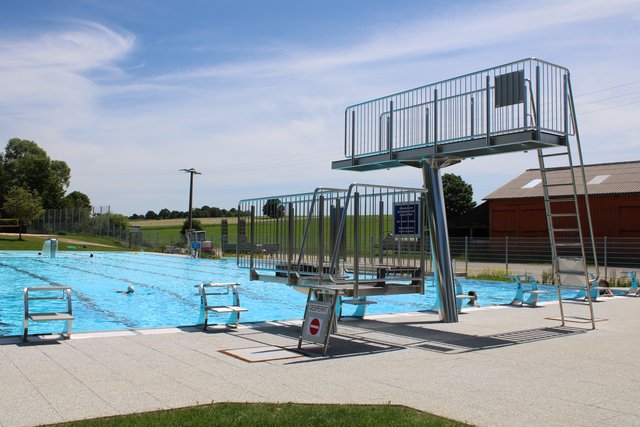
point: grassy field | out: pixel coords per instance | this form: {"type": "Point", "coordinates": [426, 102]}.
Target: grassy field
{"type": "Point", "coordinates": [177, 222]}
{"type": "Point", "coordinates": [171, 235]}
{"type": "Point", "coordinates": [160, 233]}
{"type": "Point", "coordinates": [32, 243]}
{"type": "Point", "coordinates": [277, 415]}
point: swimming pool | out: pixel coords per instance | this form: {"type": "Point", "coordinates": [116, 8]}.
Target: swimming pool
{"type": "Point", "coordinates": [165, 291]}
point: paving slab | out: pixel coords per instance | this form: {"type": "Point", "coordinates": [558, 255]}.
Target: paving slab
{"type": "Point", "coordinates": [499, 366]}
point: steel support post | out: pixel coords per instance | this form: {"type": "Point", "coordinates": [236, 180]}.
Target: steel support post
{"type": "Point", "coordinates": [439, 238]}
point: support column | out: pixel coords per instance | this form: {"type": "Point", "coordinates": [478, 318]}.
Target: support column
{"type": "Point", "coordinates": [439, 238]}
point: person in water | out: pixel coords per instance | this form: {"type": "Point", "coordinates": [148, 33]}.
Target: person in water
{"type": "Point", "coordinates": [130, 291]}
{"type": "Point", "coordinates": [473, 298]}
{"type": "Point", "coordinates": [606, 291]}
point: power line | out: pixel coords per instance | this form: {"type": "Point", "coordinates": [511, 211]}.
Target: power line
{"type": "Point", "coordinates": [610, 97]}
{"type": "Point", "coordinates": [610, 107]}
{"type": "Point", "coordinates": [608, 88]}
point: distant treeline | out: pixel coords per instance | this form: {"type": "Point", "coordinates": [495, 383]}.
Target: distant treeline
{"type": "Point", "coordinates": [203, 212]}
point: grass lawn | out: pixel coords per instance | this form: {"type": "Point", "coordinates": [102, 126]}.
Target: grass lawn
{"type": "Point", "coordinates": [30, 243]}
{"type": "Point", "coordinates": [280, 415]}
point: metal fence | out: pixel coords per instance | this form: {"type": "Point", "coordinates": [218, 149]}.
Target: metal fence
{"type": "Point", "coordinates": [512, 254]}
{"type": "Point", "coordinates": [523, 95]}
{"type": "Point", "coordinates": [94, 221]}
{"type": "Point", "coordinates": [365, 230]}
{"type": "Point", "coordinates": [279, 230]}
{"type": "Point", "coordinates": [377, 246]}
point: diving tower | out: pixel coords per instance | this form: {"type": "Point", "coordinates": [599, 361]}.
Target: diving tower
{"type": "Point", "coordinates": [337, 238]}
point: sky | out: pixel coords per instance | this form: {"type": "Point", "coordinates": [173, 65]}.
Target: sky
{"type": "Point", "coordinates": [252, 93]}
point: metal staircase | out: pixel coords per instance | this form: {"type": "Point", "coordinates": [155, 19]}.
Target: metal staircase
{"type": "Point", "coordinates": [571, 237]}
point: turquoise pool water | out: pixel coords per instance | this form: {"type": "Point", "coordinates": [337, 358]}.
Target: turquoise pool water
{"type": "Point", "coordinates": [165, 291]}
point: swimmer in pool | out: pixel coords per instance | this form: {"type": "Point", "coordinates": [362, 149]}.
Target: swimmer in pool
{"type": "Point", "coordinates": [129, 291]}
{"type": "Point", "coordinates": [473, 298]}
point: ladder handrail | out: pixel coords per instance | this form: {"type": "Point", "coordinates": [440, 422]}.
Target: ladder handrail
{"type": "Point", "coordinates": [584, 177]}
{"type": "Point", "coordinates": [570, 121]}
{"type": "Point", "coordinates": [66, 294]}
{"type": "Point", "coordinates": [307, 226]}
{"type": "Point", "coordinates": [343, 219]}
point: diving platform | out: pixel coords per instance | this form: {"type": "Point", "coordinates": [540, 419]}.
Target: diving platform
{"type": "Point", "coordinates": [499, 144]}
{"type": "Point", "coordinates": [514, 107]}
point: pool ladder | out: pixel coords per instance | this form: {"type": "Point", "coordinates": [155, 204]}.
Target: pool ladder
{"type": "Point", "coordinates": [216, 289]}
{"type": "Point", "coordinates": [65, 293]}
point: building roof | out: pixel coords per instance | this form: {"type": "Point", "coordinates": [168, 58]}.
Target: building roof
{"type": "Point", "coordinates": [603, 178]}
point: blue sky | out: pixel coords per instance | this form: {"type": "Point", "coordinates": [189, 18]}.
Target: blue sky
{"type": "Point", "coordinates": [252, 93]}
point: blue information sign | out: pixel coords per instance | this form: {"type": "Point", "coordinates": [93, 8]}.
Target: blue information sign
{"type": "Point", "coordinates": [406, 219]}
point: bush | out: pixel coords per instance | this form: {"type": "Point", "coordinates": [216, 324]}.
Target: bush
{"type": "Point", "coordinates": [497, 275]}
{"type": "Point", "coordinates": [196, 224]}
{"type": "Point", "coordinates": [547, 277]}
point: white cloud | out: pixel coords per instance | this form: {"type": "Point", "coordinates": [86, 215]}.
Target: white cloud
{"type": "Point", "coordinates": [44, 78]}
{"type": "Point", "coordinates": [273, 126]}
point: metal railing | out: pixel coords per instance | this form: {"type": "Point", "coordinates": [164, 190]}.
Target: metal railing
{"type": "Point", "coordinates": [364, 231]}
{"type": "Point", "coordinates": [274, 233]}
{"type": "Point", "coordinates": [519, 96]}
{"type": "Point", "coordinates": [375, 231]}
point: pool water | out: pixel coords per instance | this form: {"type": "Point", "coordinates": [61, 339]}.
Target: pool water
{"type": "Point", "coordinates": [166, 294]}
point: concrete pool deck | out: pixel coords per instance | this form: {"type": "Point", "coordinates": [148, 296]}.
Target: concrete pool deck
{"type": "Point", "coordinates": [499, 366]}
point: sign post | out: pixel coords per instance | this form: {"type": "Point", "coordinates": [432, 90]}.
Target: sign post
{"type": "Point", "coordinates": [319, 317]}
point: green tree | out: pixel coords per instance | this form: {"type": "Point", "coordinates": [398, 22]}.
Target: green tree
{"type": "Point", "coordinates": [151, 215]}
{"type": "Point", "coordinates": [77, 199]}
{"type": "Point", "coordinates": [164, 213]}
{"type": "Point", "coordinates": [27, 165]}
{"type": "Point", "coordinates": [196, 224]}
{"type": "Point", "coordinates": [176, 214]}
{"type": "Point", "coordinates": [201, 213]}
{"type": "Point", "coordinates": [22, 204]}
{"type": "Point", "coordinates": [458, 195]}
{"type": "Point", "coordinates": [273, 208]}
{"type": "Point", "coordinates": [3, 180]}
{"type": "Point", "coordinates": [120, 220]}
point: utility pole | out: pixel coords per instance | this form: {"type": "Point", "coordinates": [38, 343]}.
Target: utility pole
{"type": "Point", "coordinates": [191, 171]}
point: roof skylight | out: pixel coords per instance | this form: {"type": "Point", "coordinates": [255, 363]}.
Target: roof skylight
{"type": "Point", "coordinates": [599, 179]}
{"type": "Point", "coordinates": [532, 183]}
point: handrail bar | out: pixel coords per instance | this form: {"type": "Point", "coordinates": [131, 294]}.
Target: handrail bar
{"type": "Point", "coordinates": [310, 215]}
{"type": "Point", "coordinates": [541, 61]}
{"type": "Point", "coordinates": [343, 219]}
{"type": "Point", "coordinates": [66, 316]}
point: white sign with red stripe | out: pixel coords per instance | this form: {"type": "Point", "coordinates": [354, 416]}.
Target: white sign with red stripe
{"type": "Point", "coordinates": [317, 319]}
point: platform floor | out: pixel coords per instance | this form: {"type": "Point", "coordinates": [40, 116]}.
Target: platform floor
{"type": "Point", "coordinates": [500, 366]}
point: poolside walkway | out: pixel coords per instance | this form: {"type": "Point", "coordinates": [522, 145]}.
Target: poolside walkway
{"type": "Point", "coordinates": [503, 366]}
